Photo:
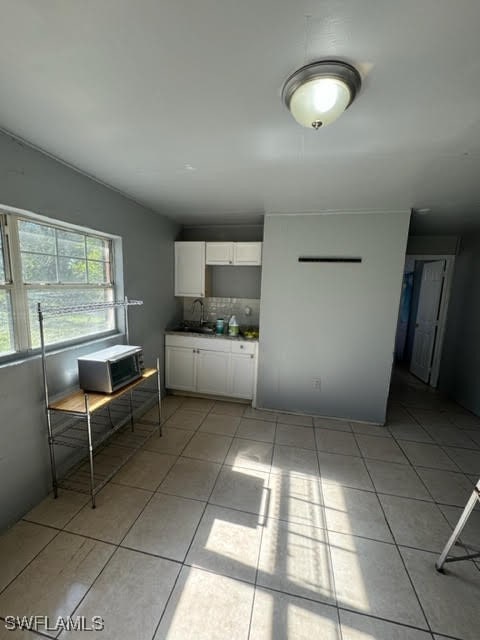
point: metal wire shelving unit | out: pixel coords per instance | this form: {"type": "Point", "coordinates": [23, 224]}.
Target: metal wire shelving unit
{"type": "Point", "coordinates": [89, 420]}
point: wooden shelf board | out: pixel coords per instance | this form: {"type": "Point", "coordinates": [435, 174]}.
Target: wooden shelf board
{"type": "Point", "coordinates": [75, 402]}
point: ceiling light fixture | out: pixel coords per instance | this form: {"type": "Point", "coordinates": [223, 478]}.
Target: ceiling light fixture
{"type": "Point", "coordinates": [318, 94]}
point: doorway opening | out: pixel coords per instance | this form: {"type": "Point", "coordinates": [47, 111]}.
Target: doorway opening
{"type": "Point", "coordinates": [422, 315]}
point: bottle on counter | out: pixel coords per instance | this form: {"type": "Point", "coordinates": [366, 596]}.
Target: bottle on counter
{"type": "Point", "coordinates": [219, 326]}
{"type": "Point", "coordinates": [233, 326]}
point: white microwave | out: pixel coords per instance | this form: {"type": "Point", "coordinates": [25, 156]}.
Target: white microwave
{"type": "Point", "coordinates": [110, 369]}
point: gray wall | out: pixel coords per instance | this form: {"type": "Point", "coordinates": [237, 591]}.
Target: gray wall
{"type": "Point", "coordinates": [235, 282]}
{"type": "Point", "coordinates": [460, 367]}
{"type": "Point", "coordinates": [335, 322]}
{"type": "Point", "coordinates": [34, 182]}
{"type": "Point", "coordinates": [225, 232]}
{"type": "Point", "coordinates": [433, 245]}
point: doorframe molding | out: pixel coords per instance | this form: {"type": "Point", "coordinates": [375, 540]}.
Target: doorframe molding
{"type": "Point", "coordinates": [444, 303]}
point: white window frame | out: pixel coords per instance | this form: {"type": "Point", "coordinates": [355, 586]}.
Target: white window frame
{"type": "Point", "coordinates": [18, 289]}
{"type": "Point", "coordinates": [8, 284]}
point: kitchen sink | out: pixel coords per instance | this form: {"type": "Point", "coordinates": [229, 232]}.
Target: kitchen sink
{"type": "Point", "coordinates": [200, 330]}
{"type": "Point", "coordinates": [206, 330]}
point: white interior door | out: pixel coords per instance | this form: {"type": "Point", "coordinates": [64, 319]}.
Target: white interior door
{"type": "Point", "coordinates": [427, 319]}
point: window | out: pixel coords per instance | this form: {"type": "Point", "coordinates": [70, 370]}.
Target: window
{"type": "Point", "coordinates": [7, 341]}
{"type": "Point", "coordinates": [55, 266]}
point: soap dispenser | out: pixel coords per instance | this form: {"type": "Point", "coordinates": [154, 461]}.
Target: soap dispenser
{"type": "Point", "coordinates": [233, 327]}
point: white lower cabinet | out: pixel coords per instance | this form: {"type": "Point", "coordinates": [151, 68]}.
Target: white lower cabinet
{"type": "Point", "coordinates": [180, 369]}
{"type": "Point", "coordinates": [210, 366]}
{"type": "Point", "coordinates": [242, 375]}
{"type": "Point", "coordinates": [213, 372]}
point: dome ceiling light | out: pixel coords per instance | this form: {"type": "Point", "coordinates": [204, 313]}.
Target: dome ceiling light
{"type": "Point", "coordinates": [318, 94]}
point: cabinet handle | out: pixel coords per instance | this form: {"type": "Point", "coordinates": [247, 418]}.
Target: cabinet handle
{"type": "Point", "coordinates": [241, 346]}
{"type": "Point", "coordinates": [194, 351]}
{"type": "Point", "coordinates": [251, 355]}
{"type": "Point", "coordinates": [229, 262]}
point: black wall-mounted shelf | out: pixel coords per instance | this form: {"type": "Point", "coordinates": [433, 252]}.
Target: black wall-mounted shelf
{"type": "Point", "coordinates": [327, 259]}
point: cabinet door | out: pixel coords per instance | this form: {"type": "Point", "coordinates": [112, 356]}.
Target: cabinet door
{"type": "Point", "coordinates": [180, 368]}
{"type": "Point", "coordinates": [248, 253]}
{"type": "Point", "coordinates": [190, 269]}
{"type": "Point", "coordinates": [242, 375]}
{"type": "Point", "coordinates": [219, 253]}
{"type": "Point", "coordinates": [213, 369]}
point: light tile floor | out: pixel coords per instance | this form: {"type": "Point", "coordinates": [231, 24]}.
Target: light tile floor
{"type": "Point", "coordinates": [249, 525]}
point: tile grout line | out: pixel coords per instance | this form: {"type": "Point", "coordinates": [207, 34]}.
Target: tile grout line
{"type": "Point", "coordinates": [223, 465]}
{"type": "Point", "coordinates": [34, 557]}
{"type": "Point", "coordinates": [392, 622]}
{"type": "Point", "coordinates": [118, 545]}
{"type": "Point", "coordinates": [158, 490]}
{"type": "Point", "coordinates": [215, 504]}
{"type": "Point", "coordinates": [35, 634]}
{"type": "Point", "coordinates": [325, 604]}
{"type": "Point", "coordinates": [155, 555]}
{"type": "Point", "coordinates": [465, 547]}
{"type": "Point", "coordinates": [250, 620]}
{"type": "Point", "coordinates": [327, 536]}
{"type": "Point", "coordinates": [350, 455]}
{"type": "Point", "coordinates": [255, 578]}
{"type": "Point", "coordinates": [399, 552]}
{"type": "Point", "coordinates": [188, 549]}
{"type": "Point", "coordinates": [257, 568]}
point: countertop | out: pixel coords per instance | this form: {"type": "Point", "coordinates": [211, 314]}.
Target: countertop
{"type": "Point", "coordinates": [211, 336]}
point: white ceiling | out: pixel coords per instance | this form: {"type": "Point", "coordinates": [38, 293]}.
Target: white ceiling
{"type": "Point", "coordinates": [177, 103]}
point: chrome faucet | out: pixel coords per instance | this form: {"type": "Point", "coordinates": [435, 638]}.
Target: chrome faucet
{"type": "Point", "coordinates": [202, 310]}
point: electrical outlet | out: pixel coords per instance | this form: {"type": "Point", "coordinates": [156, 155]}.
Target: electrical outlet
{"type": "Point", "coordinates": [317, 385]}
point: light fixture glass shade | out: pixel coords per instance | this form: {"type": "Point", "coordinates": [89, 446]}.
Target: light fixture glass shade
{"type": "Point", "coordinates": [319, 102]}
{"type": "Point", "coordinates": [318, 93]}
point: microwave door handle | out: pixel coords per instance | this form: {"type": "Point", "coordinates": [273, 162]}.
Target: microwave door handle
{"type": "Point", "coordinates": [109, 371]}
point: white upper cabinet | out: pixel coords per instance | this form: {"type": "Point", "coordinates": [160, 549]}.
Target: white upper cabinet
{"type": "Point", "coordinates": [247, 253]}
{"type": "Point", "coordinates": [236, 253]}
{"type": "Point", "coordinates": [219, 253]}
{"type": "Point", "coordinates": [190, 269]}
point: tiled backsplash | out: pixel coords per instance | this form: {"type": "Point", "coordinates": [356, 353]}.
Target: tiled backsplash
{"type": "Point", "coordinates": [224, 308]}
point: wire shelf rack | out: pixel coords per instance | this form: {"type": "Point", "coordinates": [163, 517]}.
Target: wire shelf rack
{"type": "Point", "coordinates": [90, 419]}
{"type": "Point", "coordinates": [93, 306]}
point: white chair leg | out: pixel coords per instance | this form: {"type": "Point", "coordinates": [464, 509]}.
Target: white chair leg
{"type": "Point", "coordinates": [474, 498]}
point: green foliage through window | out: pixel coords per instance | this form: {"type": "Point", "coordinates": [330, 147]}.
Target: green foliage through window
{"type": "Point", "coordinates": [55, 256]}
{"type": "Point", "coordinates": [6, 329]}
{"type": "Point", "coordinates": [2, 261]}
{"type": "Point", "coordinates": [57, 267]}
{"type": "Point", "coordinates": [72, 325]}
